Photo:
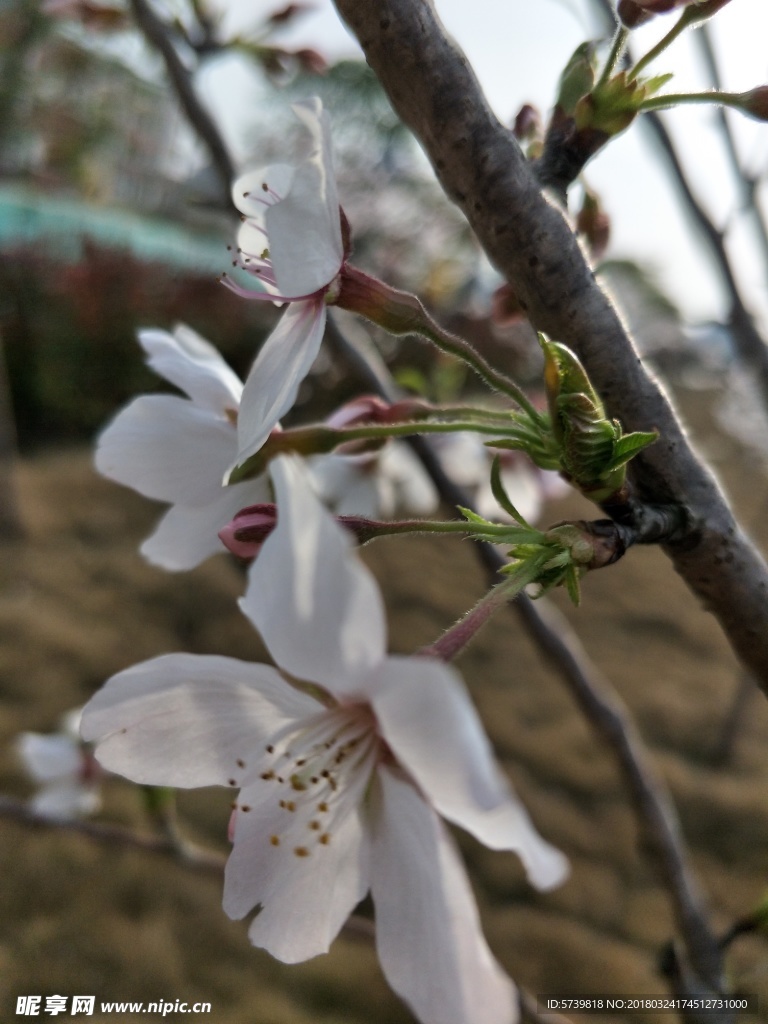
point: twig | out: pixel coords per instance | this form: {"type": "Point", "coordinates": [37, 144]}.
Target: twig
{"type": "Point", "coordinates": [745, 183]}
{"type": "Point", "coordinates": [168, 844]}
{"type": "Point", "coordinates": [158, 36]}
{"type": "Point", "coordinates": [186, 854]}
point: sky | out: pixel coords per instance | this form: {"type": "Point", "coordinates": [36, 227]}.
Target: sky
{"type": "Point", "coordinates": [518, 49]}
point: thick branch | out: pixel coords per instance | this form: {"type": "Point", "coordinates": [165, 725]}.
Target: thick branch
{"type": "Point", "coordinates": [482, 169]}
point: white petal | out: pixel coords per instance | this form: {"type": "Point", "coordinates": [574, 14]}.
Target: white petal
{"type": "Point", "coordinates": [66, 801]}
{"type": "Point", "coordinates": [428, 935]}
{"type": "Point", "coordinates": [186, 536]}
{"type": "Point", "coordinates": [315, 604]}
{"type": "Point", "coordinates": [189, 720]}
{"type": "Point", "coordinates": [281, 365]}
{"type": "Point", "coordinates": [193, 365]}
{"type": "Point", "coordinates": [414, 490]}
{"type": "Point", "coordinates": [168, 449]}
{"type": "Point", "coordinates": [48, 757]}
{"type": "Point", "coordinates": [344, 485]}
{"type": "Point", "coordinates": [249, 195]}
{"type": "Point", "coordinates": [304, 228]}
{"type": "Point", "coordinates": [304, 899]}
{"type": "Point", "coordinates": [430, 723]}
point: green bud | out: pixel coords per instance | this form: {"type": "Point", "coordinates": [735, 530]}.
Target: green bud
{"type": "Point", "coordinates": [578, 77]}
{"type": "Point", "coordinates": [593, 451]}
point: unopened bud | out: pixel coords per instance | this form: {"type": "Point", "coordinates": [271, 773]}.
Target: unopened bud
{"type": "Point", "coordinates": [249, 529]}
{"type": "Point", "coordinates": [755, 103]}
{"type": "Point", "coordinates": [527, 126]}
{"type": "Point", "coordinates": [506, 308]}
{"type": "Point", "coordinates": [595, 224]}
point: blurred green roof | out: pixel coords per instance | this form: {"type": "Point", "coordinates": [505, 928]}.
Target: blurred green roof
{"type": "Point", "coordinates": [62, 224]}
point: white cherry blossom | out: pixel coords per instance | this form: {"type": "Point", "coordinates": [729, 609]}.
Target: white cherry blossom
{"type": "Point", "coordinates": [291, 241]}
{"type": "Point", "coordinates": [177, 450]}
{"type": "Point", "coordinates": [345, 759]}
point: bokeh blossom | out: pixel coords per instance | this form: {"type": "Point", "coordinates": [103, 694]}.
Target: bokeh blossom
{"type": "Point", "coordinates": [345, 759]}
{"type": "Point", "coordinates": [63, 769]}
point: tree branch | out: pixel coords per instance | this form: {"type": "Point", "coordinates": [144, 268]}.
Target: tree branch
{"type": "Point", "coordinates": [181, 79]}
{"type": "Point", "coordinates": [480, 166]}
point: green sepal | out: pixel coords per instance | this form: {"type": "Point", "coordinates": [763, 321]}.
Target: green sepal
{"type": "Point", "coordinates": [572, 575]}
{"type": "Point", "coordinates": [501, 496]}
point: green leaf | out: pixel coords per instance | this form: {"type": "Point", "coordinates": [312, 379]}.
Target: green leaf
{"type": "Point", "coordinates": [626, 447]}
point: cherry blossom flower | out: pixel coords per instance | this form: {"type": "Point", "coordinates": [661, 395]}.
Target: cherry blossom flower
{"type": "Point", "coordinates": [63, 769]}
{"type": "Point", "coordinates": [345, 759]}
{"type": "Point", "coordinates": [291, 241]}
{"type": "Point", "coordinates": [177, 450]}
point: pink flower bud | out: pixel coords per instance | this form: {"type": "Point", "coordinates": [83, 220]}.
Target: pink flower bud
{"type": "Point", "coordinates": [249, 529]}
{"type": "Point", "coordinates": [527, 124]}
{"type": "Point", "coordinates": [755, 103]}
{"type": "Point", "coordinates": [637, 12]}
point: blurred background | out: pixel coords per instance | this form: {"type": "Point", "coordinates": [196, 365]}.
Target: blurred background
{"type": "Point", "coordinates": [114, 215]}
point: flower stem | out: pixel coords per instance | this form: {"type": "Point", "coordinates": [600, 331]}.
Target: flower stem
{"type": "Point", "coordinates": [617, 49]}
{"type": "Point", "coordinates": [726, 99]}
{"type": "Point", "coordinates": [371, 529]}
{"type": "Point", "coordinates": [401, 313]}
{"type": "Point", "coordinates": [456, 638]}
{"type": "Point", "coordinates": [679, 27]}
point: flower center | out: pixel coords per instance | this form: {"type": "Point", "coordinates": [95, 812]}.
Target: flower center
{"type": "Point", "coordinates": [318, 773]}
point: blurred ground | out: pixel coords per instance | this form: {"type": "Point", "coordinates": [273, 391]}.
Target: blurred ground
{"type": "Point", "coordinates": [77, 604]}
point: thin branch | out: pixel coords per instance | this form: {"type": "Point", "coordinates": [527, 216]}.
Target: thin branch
{"type": "Point", "coordinates": [434, 91]}
{"type": "Point", "coordinates": [186, 854]}
{"type": "Point", "coordinates": [157, 34]}
{"type": "Point", "coordinates": [745, 183]}
{"type": "Point", "coordinates": [169, 845]}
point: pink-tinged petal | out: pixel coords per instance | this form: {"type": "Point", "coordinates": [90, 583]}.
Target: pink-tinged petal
{"type": "Point", "coordinates": [282, 364]}
{"type": "Point", "coordinates": [315, 604]}
{"type": "Point", "coordinates": [304, 228]}
{"type": "Point", "coordinates": [187, 535]}
{"type": "Point", "coordinates": [306, 896]}
{"type": "Point", "coordinates": [188, 361]}
{"type": "Point", "coordinates": [428, 935]}
{"type": "Point", "coordinates": [167, 448]}
{"type": "Point", "coordinates": [431, 725]}
{"type": "Point", "coordinates": [248, 192]}
{"type": "Point", "coordinates": [189, 720]}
